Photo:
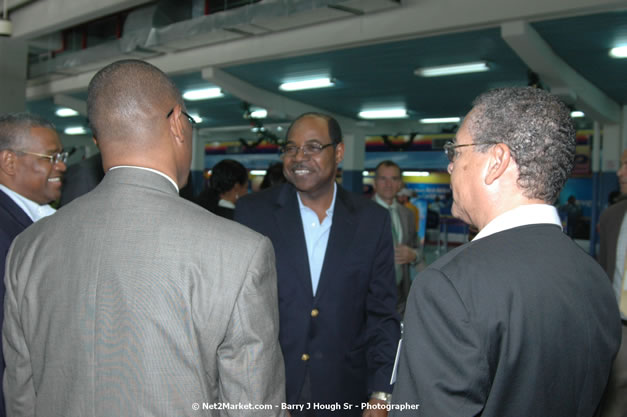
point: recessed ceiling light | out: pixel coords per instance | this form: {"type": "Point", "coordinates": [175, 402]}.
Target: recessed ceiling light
{"type": "Point", "coordinates": [619, 52]}
{"type": "Point", "coordinates": [391, 113]}
{"type": "Point", "coordinates": [259, 113]}
{"type": "Point", "coordinates": [468, 67]}
{"type": "Point", "coordinates": [307, 84]}
{"type": "Point", "coordinates": [66, 112]}
{"type": "Point", "coordinates": [576, 113]}
{"type": "Point", "coordinates": [75, 130]}
{"type": "Point", "coordinates": [440, 120]}
{"type": "Point", "coordinates": [202, 94]}
{"type": "Point", "coordinates": [196, 117]}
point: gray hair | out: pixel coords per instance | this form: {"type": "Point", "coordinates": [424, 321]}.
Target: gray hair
{"type": "Point", "coordinates": [537, 128]}
{"type": "Point", "coordinates": [14, 128]}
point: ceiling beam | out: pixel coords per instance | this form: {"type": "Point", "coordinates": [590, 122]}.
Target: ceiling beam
{"type": "Point", "coordinates": [558, 75]}
{"type": "Point", "coordinates": [276, 104]}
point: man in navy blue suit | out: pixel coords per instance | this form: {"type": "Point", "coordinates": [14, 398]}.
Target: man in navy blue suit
{"type": "Point", "coordinates": [31, 167]}
{"type": "Point", "coordinates": [337, 292]}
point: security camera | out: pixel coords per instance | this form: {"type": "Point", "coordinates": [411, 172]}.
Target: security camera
{"type": "Point", "coordinates": [5, 28]}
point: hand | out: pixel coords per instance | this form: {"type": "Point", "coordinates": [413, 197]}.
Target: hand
{"type": "Point", "coordinates": [403, 254]}
{"type": "Point", "coordinates": [381, 409]}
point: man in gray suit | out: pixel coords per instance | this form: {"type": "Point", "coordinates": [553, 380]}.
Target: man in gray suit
{"type": "Point", "coordinates": [520, 321]}
{"type": "Point", "coordinates": [388, 182]}
{"type": "Point", "coordinates": [132, 301]}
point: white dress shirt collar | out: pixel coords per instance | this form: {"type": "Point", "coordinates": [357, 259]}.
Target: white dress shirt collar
{"type": "Point", "coordinates": [521, 216]}
{"type": "Point", "coordinates": [148, 169]}
{"type": "Point", "coordinates": [32, 209]}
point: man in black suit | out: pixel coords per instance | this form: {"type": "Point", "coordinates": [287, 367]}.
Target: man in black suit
{"type": "Point", "coordinates": [337, 292]}
{"type": "Point", "coordinates": [32, 164]}
{"type": "Point", "coordinates": [520, 321]}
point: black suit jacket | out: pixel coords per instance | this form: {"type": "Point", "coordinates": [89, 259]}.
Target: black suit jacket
{"type": "Point", "coordinates": [81, 178]}
{"type": "Point", "coordinates": [13, 221]}
{"type": "Point", "coordinates": [350, 329]}
{"type": "Point", "coordinates": [519, 323]}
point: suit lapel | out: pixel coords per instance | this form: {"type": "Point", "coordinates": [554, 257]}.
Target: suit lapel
{"type": "Point", "coordinates": [290, 225]}
{"type": "Point", "coordinates": [341, 235]}
{"type": "Point", "coordinates": [13, 210]}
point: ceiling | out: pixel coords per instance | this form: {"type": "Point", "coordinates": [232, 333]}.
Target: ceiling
{"type": "Point", "coordinates": [377, 70]}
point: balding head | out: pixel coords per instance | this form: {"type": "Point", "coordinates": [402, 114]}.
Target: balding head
{"type": "Point", "coordinates": [135, 112]}
{"type": "Point", "coordinates": [125, 99]}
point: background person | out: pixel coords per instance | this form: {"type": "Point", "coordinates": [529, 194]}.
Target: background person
{"type": "Point", "coordinates": [228, 182]}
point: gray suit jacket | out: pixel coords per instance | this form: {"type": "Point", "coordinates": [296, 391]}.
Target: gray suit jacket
{"type": "Point", "coordinates": [409, 238]}
{"type": "Point", "coordinates": [609, 228]}
{"type": "Point", "coordinates": [132, 301]}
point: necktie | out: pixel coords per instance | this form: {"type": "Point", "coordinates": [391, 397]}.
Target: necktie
{"type": "Point", "coordinates": [623, 290]}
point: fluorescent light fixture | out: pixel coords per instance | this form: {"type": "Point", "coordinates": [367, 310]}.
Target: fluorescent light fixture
{"type": "Point", "coordinates": [307, 84]}
{"type": "Point", "coordinates": [440, 120]}
{"type": "Point", "coordinates": [415, 174]}
{"type": "Point", "coordinates": [576, 113]}
{"type": "Point", "coordinates": [196, 117]}
{"type": "Point", "coordinates": [202, 94]}
{"type": "Point", "coordinates": [66, 112]}
{"type": "Point", "coordinates": [259, 114]}
{"type": "Point", "coordinates": [392, 113]}
{"type": "Point", "coordinates": [619, 52]}
{"type": "Point", "coordinates": [468, 67]}
{"type": "Point", "coordinates": [258, 172]}
{"type": "Point", "coordinates": [75, 130]}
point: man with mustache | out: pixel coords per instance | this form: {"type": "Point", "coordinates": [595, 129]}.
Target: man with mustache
{"type": "Point", "coordinates": [337, 291]}
{"type": "Point", "coordinates": [32, 164]}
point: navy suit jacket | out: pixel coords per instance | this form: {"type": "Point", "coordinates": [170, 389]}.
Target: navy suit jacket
{"type": "Point", "coordinates": [13, 221]}
{"type": "Point", "coordinates": [350, 328]}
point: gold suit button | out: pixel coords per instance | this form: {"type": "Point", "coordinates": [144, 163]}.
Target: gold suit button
{"type": "Point", "coordinates": [314, 312]}
{"type": "Point", "coordinates": [305, 357]}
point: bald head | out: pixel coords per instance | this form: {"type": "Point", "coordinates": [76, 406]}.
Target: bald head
{"type": "Point", "coordinates": [127, 99]}
{"type": "Point", "coordinates": [137, 118]}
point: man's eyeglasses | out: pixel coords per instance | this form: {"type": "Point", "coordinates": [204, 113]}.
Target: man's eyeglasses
{"type": "Point", "coordinates": [308, 149]}
{"type": "Point", "coordinates": [451, 153]}
{"type": "Point", "coordinates": [192, 121]}
{"type": "Point", "coordinates": [55, 158]}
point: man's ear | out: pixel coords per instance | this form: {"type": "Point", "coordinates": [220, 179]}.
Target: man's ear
{"type": "Point", "coordinates": [339, 153]}
{"type": "Point", "coordinates": [93, 138]}
{"type": "Point", "coordinates": [500, 158]}
{"type": "Point", "coordinates": [176, 124]}
{"type": "Point", "coordinates": [8, 162]}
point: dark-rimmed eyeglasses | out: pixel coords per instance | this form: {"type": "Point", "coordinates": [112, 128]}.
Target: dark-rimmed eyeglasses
{"type": "Point", "coordinates": [55, 158]}
{"type": "Point", "coordinates": [450, 148]}
{"type": "Point", "coordinates": [192, 121]}
{"type": "Point", "coordinates": [308, 149]}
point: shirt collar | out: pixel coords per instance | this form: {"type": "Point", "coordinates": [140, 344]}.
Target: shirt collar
{"type": "Point", "coordinates": [226, 204]}
{"type": "Point", "coordinates": [521, 216]}
{"type": "Point", "coordinates": [379, 200]}
{"type": "Point", "coordinates": [329, 210]}
{"type": "Point", "coordinates": [148, 169]}
{"type": "Point", "coordinates": [32, 209]}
